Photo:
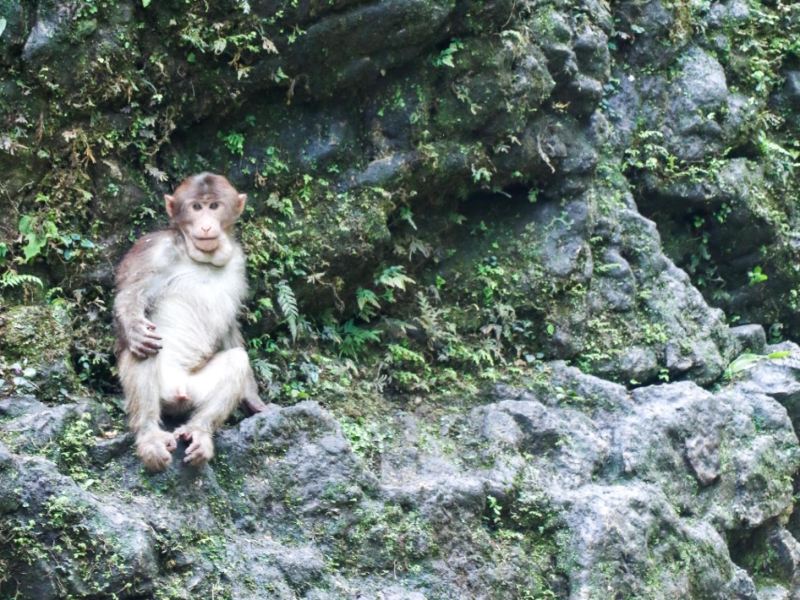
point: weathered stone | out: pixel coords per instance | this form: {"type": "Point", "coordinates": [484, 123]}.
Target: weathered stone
{"type": "Point", "coordinates": [749, 338]}
{"type": "Point", "coordinates": [792, 88]}
{"type": "Point", "coordinates": [35, 346]}
{"type": "Point", "coordinates": [67, 540]}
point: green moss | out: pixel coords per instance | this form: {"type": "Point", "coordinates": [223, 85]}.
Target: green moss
{"type": "Point", "coordinates": [382, 538]}
{"type": "Point", "coordinates": [73, 448]}
{"type": "Point", "coordinates": [36, 343]}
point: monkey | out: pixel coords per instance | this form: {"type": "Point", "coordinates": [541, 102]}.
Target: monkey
{"type": "Point", "coordinates": [179, 348]}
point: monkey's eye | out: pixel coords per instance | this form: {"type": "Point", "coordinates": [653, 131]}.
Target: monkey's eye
{"type": "Point", "coordinates": [214, 205]}
{"type": "Point", "coordinates": [197, 206]}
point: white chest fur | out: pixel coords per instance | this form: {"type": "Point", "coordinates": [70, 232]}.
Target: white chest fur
{"type": "Point", "coordinates": [197, 303]}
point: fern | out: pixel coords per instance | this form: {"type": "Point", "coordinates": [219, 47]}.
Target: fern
{"type": "Point", "coordinates": [434, 325]}
{"type": "Point", "coordinates": [407, 215]}
{"type": "Point", "coordinates": [288, 304]}
{"type": "Point", "coordinates": [401, 355]}
{"type": "Point", "coordinates": [354, 338]}
{"type": "Point", "coordinates": [393, 277]}
{"type": "Point", "coordinates": [368, 302]}
{"type": "Point", "coordinates": [264, 369]}
{"type": "Point", "coordinates": [417, 246]}
{"type": "Point", "coordinates": [12, 279]}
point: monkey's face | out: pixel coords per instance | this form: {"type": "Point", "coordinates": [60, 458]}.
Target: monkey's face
{"type": "Point", "coordinates": [203, 223]}
{"type": "Point", "coordinates": [205, 207]}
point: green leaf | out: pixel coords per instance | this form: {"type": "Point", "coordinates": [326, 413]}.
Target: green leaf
{"type": "Point", "coordinates": [757, 275]}
{"type": "Point", "coordinates": [407, 215]}
{"type": "Point", "coordinates": [748, 360]}
{"type": "Point", "coordinates": [146, 3]}
{"type": "Point", "coordinates": [353, 339]}
{"type": "Point", "coordinates": [11, 279]}
{"type": "Point", "coordinates": [742, 363]}
{"type": "Point", "coordinates": [35, 236]}
{"type": "Point", "coordinates": [34, 247]}
{"type": "Point", "coordinates": [3, 23]}
{"type": "Point", "coordinates": [445, 58]}
{"type": "Point", "coordinates": [219, 45]}
{"type": "Point", "coordinates": [288, 304]}
{"type": "Point", "coordinates": [25, 224]}
{"type": "Point", "coordinates": [393, 277]}
{"type": "Point", "coordinates": [366, 298]}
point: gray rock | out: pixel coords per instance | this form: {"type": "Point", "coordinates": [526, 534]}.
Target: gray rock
{"type": "Point", "coordinates": [699, 90]}
{"type": "Point", "coordinates": [774, 592]}
{"type": "Point", "coordinates": [51, 24]}
{"type": "Point", "coordinates": [617, 485]}
{"type": "Point", "coordinates": [792, 88]}
{"type": "Point", "coordinates": [42, 425]}
{"type": "Point", "coordinates": [749, 338]}
{"type": "Point", "coordinates": [67, 539]}
{"type": "Point", "coordinates": [786, 555]}
{"type": "Point", "coordinates": [778, 378]}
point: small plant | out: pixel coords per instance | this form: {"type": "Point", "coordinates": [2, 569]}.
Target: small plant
{"type": "Point", "coordinates": [445, 57]}
{"type": "Point", "coordinates": [273, 165]}
{"type": "Point", "coordinates": [393, 277]}
{"type": "Point", "coordinates": [481, 174]}
{"type": "Point", "coordinates": [36, 234]}
{"type": "Point", "coordinates": [73, 448]}
{"type": "Point", "coordinates": [352, 339]}
{"type": "Point", "coordinates": [288, 305]}
{"type": "Point", "coordinates": [756, 276]}
{"type": "Point", "coordinates": [233, 141]}
{"type": "Point", "coordinates": [494, 512]}
{"type": "Point", "coordinates": [367, 439]}
{"type": "Point", "coordinates": [12, 279]}
{"type": "Point", "coordinates": [368, 303]}
{"type": "Point", "coordinates": [748, 360]}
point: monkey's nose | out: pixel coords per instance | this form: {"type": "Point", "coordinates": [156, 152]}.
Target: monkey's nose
{"type": "Point", "coordinates": [206, 229]}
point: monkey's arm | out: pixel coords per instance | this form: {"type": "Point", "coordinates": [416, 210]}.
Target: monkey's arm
{"type": "Point", "coordinates": [252, 401]}
{"type": "Point", "coordinates": [135, 277]}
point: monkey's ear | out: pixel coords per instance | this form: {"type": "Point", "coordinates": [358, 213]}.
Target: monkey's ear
{"type": "Point", "coordinates": [169, 204]}
{"type": "Point", "coordinates": [240, 202]}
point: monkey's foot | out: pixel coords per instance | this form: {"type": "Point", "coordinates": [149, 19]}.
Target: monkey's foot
{"type": "Point", "coordinates": [254, 404]}
{"type": "Point", "coordinates": [154, 449]}
{"type": "Point", "coordinates": [201, 445]}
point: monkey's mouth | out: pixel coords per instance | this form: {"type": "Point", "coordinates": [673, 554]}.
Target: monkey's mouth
{"type": "Point", "coordinates": [206, 244]}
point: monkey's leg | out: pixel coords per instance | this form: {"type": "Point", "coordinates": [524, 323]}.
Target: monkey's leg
{"type": "Point", "coordinates": [252, 400]}
{"type": "Point", "coordinates": [173, 380]}
{"type": "Point", "coordinates": [143, 406]}
{"type": "Point", "coordinates": [215, 391]}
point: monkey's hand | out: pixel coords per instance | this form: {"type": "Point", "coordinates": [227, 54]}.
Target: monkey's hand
{"type": "Point", "coordinates": [201, 446]}
{"type": "Point", "coordinates": [143, 340]}
{"type": "Point", "coordinates": [154, 448]}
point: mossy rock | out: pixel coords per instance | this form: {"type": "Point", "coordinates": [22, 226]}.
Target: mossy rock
{"type": "Point", "coordinates": [35, 351]}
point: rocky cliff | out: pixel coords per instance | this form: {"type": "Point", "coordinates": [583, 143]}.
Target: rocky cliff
{"type": "Point", "coordinates": [524, 287]}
